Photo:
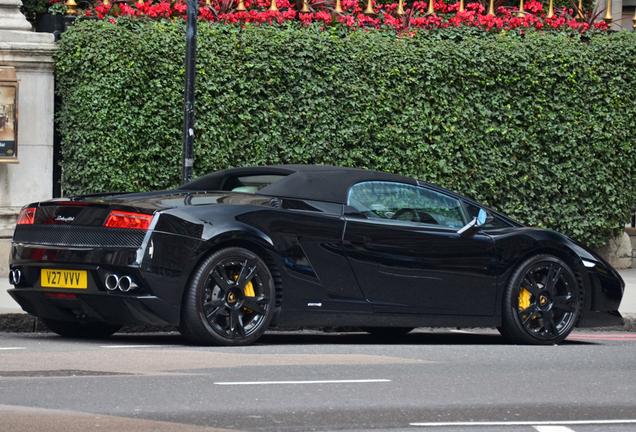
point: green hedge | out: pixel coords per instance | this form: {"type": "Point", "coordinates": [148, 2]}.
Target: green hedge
{"type": "Point", "coordinates": [539, 126]}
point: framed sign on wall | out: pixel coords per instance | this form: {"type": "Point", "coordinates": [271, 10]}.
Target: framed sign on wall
{"type": "Point", "coordinates": [8, 115]}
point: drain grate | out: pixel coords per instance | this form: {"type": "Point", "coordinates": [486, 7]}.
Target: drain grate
{"type": "Point", "coordinates": [57, 373]}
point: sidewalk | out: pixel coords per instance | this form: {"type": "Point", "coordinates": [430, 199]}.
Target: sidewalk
{"type": "Point", "coordinates": [627, 308]}
{"type": "Point", "coordinates": [7, 304]}
{"type": "Point", "coordinates": [628, 304]}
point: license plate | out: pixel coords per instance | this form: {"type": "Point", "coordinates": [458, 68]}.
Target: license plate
{"type": "Point", "coordinates": [64, 278]}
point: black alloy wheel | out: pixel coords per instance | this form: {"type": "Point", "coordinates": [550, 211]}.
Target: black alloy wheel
{"type": "Point", "coordinates": [78, 330]}
{"type": "Point", "coordinates": [229, 301]}
{"type": "Point", "coordinates": [542, 302]}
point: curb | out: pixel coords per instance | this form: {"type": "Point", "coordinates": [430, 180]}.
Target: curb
{"type": "Point", "coordinates": [25, 323]}
{"type": "Point", "coordinates": [630, 323]}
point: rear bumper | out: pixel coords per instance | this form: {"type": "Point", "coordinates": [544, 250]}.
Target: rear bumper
{"type": "Point", "coordinates": [96, 307]}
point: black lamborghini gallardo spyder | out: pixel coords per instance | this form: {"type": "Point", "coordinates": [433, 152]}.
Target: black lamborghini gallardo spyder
{"type": "Point", "coordinates": [234, 252]}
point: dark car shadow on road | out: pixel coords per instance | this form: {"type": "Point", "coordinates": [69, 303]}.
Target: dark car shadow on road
{"type": "Point", "coordinates": [417, 337]}
{"type": "Point", "coordinates": [314, 337]}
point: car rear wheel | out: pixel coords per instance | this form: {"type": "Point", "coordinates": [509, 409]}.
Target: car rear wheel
{"type": "Point", "coordinates": [542, 302]}
{"type": "Point", "coordinates": [229, 301]}
{"type": "Point", "coordinates": [78, 330]}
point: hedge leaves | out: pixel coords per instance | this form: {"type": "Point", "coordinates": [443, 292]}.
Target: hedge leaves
{"type": "Point", "coordinates": [539, 126]}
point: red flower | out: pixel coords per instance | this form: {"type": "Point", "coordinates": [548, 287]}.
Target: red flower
{"type": "Point", "coordinates": [445, 15]}
{"type": "Point", "coordinates": [181, 7]}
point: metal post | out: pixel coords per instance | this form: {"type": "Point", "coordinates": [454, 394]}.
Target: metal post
{"type": "Point", "coordinates": [188, 106]}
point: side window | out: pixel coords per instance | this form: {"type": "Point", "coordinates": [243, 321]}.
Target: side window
{"type": "Point", "coordinates": [406, 203]}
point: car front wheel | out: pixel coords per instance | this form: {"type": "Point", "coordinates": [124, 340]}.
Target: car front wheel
{"type": "Point", "coordinates": [230, 299]}
{"type": "Point", "coordinates": [542, 302]}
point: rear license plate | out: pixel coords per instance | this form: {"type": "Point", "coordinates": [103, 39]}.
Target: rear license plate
{"type": "Point", "coordinates": [64, 278]}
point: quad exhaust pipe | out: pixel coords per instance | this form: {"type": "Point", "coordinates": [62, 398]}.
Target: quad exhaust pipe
{"type": "Point", "coordinates": [15, 276]}
{"type": "Point", "coordinates": [124, 283]}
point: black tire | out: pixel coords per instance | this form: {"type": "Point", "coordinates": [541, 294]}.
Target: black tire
{"type": "Point", "coordinates": [229, 300]}
{"type": "Point", "coordinates": [542, 302]}
{"type": "Point", "coordinates": [388, 332]}
{"type": "Point", "coordinates": [71, 329]}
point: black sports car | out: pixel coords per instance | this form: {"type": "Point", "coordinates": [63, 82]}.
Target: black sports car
{"type": "Point", "coordinates": [234, 252]}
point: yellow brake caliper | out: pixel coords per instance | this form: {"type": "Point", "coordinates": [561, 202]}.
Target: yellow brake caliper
{"type": "Point", "coordinates": [248, 291]}
{"type": "Point", "coordinates": [524, 299]}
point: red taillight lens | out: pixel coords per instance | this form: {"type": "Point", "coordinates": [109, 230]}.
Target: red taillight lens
{"type": "Point", "coordinates": [118, 219]}
{"type": "Point", "coordinates": [27, 216]}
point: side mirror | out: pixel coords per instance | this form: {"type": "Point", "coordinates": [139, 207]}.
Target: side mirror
{"type": "Point", "coordinates": [471, 228]}
{"type": "Point", "coordinates": [484, 217]}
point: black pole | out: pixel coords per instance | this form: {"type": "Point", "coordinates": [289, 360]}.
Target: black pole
{"type": "Point", "coordinates": [188, 106]}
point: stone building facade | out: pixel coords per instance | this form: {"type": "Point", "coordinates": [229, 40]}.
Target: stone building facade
{"type": "Point", "coordinates": [31, 179]}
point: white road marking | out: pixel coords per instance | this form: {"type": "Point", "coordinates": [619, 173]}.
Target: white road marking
{"type": "Point", "coordinates": [527, 423]}
{"type": "Point", "coordinates": [302, 382]}
{"type": "Point", "coordinates": [132, 346]}
{"type": "Point", "coordinates": [12, 348]}
{"type": "Point", "coordinates": [553, 429]}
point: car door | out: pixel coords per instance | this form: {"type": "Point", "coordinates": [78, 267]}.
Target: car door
{"type": "Point", "coordinates": [403, 246]}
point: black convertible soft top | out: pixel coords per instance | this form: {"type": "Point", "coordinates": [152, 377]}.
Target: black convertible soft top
{"type": "Point", "coordinates": [310, 182]}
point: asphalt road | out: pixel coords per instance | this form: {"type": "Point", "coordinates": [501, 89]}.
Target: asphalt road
{"type": "Point", "coordinates": [306, 381]}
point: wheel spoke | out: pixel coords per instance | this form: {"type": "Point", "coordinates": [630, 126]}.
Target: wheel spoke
{"type": "Point", "coordinates": [553, 275]}
{"type": "Point", "coordinates": [212, 309]}
{"type": "Point", "coordinates": [528, 313]}
{"type": "Point", "coordinates": [255, 304]}
{"type": "Point", "coordinates": [246, 274]}
{"type": "Point", "coordinates": [565, 303]}
{"type": "Point", "coordinates": [528, 319]}
{"type": "Point", "coordinates": [236, 323]}
{"type": "Point", "coordinates": [220, 278]}
{"type": "Point", "coordinates": [548, 325]}
{"type": "Point", "coordinates": [528, 282]}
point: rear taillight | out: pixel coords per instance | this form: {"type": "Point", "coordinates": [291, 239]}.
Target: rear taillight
{"type": "Point", "coordinates": [27, 216]}
{"type": "Point", "coordinates": [118, 219]}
